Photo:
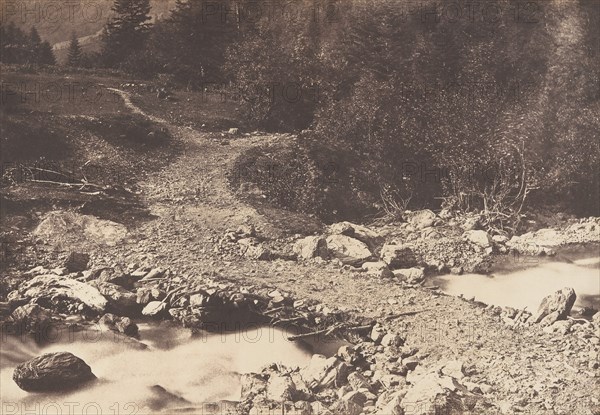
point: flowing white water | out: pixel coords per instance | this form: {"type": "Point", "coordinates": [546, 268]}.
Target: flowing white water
{"type": "Point", "coordinates": [204, 369]}
{"type": "Point", "coordinates": [527, 287]}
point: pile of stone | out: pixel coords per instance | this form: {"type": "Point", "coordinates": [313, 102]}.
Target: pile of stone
{"type": "Point", "coordinates": [245, 242]}
{"type": "Point", "coordinates": [553, 316]}
{"type": "Point", "coordinates": [403, 256]}
{"type": "Point", "coordinates": [380, 375]}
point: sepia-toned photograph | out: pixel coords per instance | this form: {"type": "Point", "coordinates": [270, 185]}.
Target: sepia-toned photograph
{"type": "Point", "coordinates": [300, 207]}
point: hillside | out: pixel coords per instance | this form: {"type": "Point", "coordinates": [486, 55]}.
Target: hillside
{"type": "Point", "coordinates": [56, 22]}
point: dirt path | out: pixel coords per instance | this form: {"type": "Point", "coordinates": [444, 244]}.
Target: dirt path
{"type": "Point", "coordinates": [527, 370]}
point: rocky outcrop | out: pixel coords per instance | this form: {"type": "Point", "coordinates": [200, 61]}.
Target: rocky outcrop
{"type": "Point", "coordinates": [52, 372]}
{"type": "Point", "coordinates": [555, 307]}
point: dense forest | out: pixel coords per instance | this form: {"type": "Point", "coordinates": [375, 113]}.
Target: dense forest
{"type": "Point", "coordinates": [397, 104]}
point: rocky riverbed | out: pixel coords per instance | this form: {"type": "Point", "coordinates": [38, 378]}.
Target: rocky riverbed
{"type": "Point", "coordinates": [379, 370]}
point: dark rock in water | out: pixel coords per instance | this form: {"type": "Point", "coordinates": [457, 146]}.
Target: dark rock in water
{"type": "Point", "coordinates": [52, 372]}
{"type": "Point", "coordinates": [555, 307]}
{"type": "Point", "coordinates": [163, 399]}
{"type": "Point", "coordinates": [119, 324]}
{"type": "Point", "coordinates": [76, 262]}
{"type": "Point", "coordinates": [30, 318]}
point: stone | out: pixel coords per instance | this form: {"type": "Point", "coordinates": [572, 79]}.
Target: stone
{"type": "Point", "coordinates": [433, 394]}
{"type": "Point", "coordinates": [246, 231]}
{"type": "Point", "coordinates": [394, 405]}
{"type": "Point", "coordinates": [311, 247]}
{"type": "Point", "coordinates": [119, 324]}
{"type": "Point", "coordinates": [392, 340]}
{"type": "Point", "coordinates": [421, 219]}
{"type": "Point", "coordinates": [478, 238]}
{"type": "Point", "coordinates": [377, 269]}
{"type": "Point", "coordinates": [362, 233]}
{"type": "Point", "coordinates": [398, 256]}
{"type": "Point", "coordinates": [144, 295]}
{"type": "Point", "coordinates": [412, 275]}
{"type": "Point", "coordinates": [555, 307]}
{"type": "Point", "coordinates": [500, 239]}
{"type": "Point", "coordinates": [561, 327]}
{"type": "Point", "coordinates": [471, 223]}
{"type": "Point", "coordinates": [411, 362]}
{"type": "Point", "coordinates": [258, 252]}
{"type": "Point", "coordinates": [455, 369]}
{"type": "Point", "coordinates": [120, 300]}
{"type": "Point", "coordinates": [60, 228]}
{"type": "Point", "coordinates": [316, 373]}
{"type": "Point", "coordinates": [596, 319]}
{"type": "Point", "coordinates": [198, 300]}
{"type": "Point", "coordinates": [348, 250]}
{"type": "Point", "coordinates": [280, 388]}
{"type": "Point", "coordinates": [76, 261]}
{"type": "Point", "coordinates": [31, 318]}
{"type": "Point", "coordinates": [253, 384]}
{"type": "Point", "coordinates": [49, 286]}
{"type": "Point", "coordinates": [234, 131]}
{"type": "Point", "coordinates": [358, 381]}
{"type": "Point", "coordinates": [154, 308]}
{"type": "Point", "coordinates": [52, 372]}
{"type": "Point", "coordinates": [377, 333]}
{"type": "Point", "coordinates": [162, 399]}
{"type": "Point", "coordinates": [347, 353]}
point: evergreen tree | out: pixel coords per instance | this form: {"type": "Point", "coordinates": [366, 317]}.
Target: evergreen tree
{"type": "Point", "coordinates": [127, 32]}
{"type": "Point", "coordinates": [45, 55]}
{"type": "Point", "coordinates": [34, 36]}
{"type": "Point", "coordinates": [75, 54]}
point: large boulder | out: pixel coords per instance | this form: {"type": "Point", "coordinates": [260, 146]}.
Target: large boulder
{"type": "Point", "coordinates": [555, 307]}
{"type": "Point", "coordinates": [362, 233]}
{"type": "Point", "coordinates": [348, 250]}
{"type": "Point", "coordinates": [52, 372]}
{"type": "Point", "coordinates": [69, 228]}
{"type": "Point", "coordinates": [311, 247]}
{"type": "Point", "coordinates": [119, 299]}
{"type": "Point", "coordinates": [398, 255]}
{"type": "Point", "coordinates": [54, 286]}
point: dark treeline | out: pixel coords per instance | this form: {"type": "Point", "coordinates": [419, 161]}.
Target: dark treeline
{"type": "Point", "coordinates": [19, 47]}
